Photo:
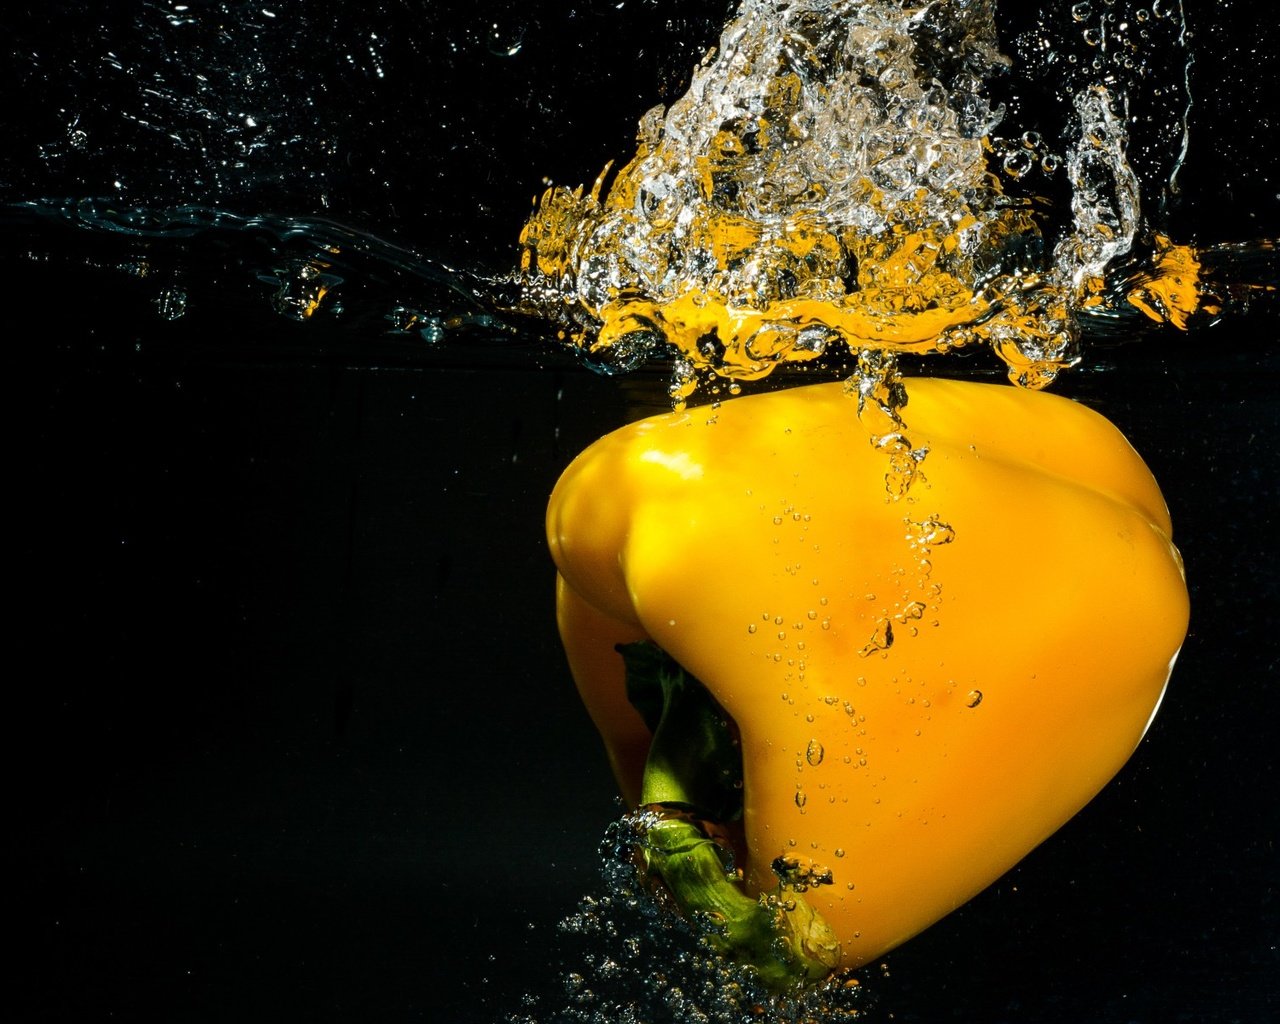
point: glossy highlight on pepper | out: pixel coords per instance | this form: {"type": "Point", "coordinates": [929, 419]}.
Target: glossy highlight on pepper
{"type": "Point", "coordinates": [921, 689]}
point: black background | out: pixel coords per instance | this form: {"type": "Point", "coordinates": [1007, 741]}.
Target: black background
{"type": "Point", "coordinates": [290, 736]}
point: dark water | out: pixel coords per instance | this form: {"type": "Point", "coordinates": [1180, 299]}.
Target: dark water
{"type": "Point", "coordinates": [290, 735]}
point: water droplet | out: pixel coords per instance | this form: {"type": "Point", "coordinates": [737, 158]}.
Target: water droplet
{"type": "Point", "coordinates": [813, 753]}
{"type": "Point", "coordinates": [914, 610]}
{"type": "Point", "coordinates": [801, 799]}
{"type": "Point", "coordinates": [881, 639]}
{"type": "Point", "coordinates": [974, 698]}
{"type": "Point", "coordinates": [751, 627]}
{"type": "Point", "coordinates": [1082, 11]}
{"type": "Point", "coordinates": [432, 330]}
{"type": "Point", "coordinates": [931, 532]}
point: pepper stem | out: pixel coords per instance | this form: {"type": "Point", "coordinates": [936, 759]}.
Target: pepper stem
{"type": "Point", "coordinates": [693, 774]}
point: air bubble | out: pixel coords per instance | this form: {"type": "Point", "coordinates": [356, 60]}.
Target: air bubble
{"type": "Point", "coordinates": [1018, 163]}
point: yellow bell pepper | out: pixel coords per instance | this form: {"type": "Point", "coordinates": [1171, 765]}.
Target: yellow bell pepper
{"type": "Point", "coordinates": [920, 690]}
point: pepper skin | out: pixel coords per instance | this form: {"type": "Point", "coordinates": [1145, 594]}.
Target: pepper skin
{"type": "Point", "coordinates": [1035, 599]}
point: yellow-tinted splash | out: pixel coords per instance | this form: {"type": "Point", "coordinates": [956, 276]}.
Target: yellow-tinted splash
{"type": "Point", "coordinates": [829, 180]}
{"type": "Point", "coordinates": [1170, 292]}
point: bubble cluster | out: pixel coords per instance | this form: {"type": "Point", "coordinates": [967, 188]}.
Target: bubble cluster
{"type": "Point", "coordinates": [627, 958]}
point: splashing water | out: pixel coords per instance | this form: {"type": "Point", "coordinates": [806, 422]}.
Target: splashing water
{"type": "Point", "coordinates": [838, 176]}
{"type": "Point", "coordinates": [832, 176]}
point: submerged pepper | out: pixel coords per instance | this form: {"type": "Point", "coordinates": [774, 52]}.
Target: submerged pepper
{"type": "Point", "coordinates": [919, 691]}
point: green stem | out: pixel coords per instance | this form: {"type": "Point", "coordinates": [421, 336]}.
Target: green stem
{"type": "Point", "coordinates": [694, 771]}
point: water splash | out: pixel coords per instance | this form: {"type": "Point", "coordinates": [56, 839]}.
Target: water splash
{"type": "Point", "coordinates": [183, 126]}
{"type": "Point", "coordinates": [833, 177]}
